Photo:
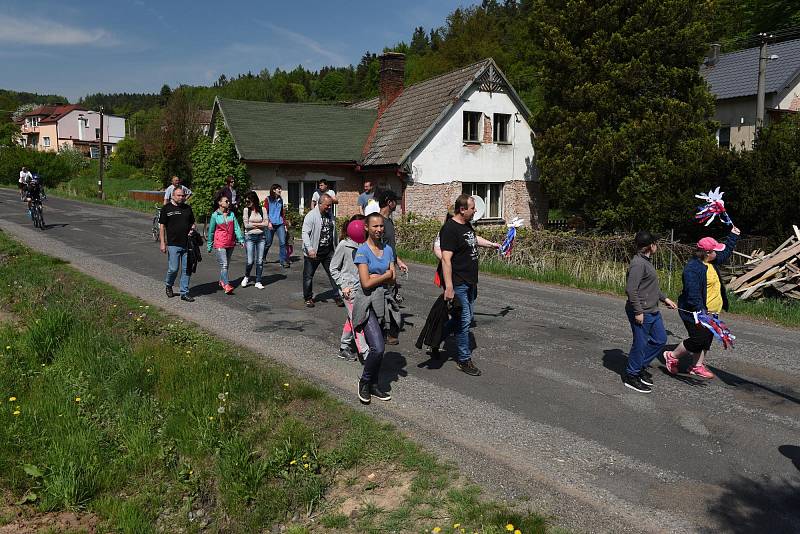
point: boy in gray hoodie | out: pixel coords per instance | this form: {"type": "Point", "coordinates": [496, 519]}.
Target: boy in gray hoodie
{"type": "Point", "coordinates": [644, 294]}
{"type": "Point", "coordinates": [345, 273]}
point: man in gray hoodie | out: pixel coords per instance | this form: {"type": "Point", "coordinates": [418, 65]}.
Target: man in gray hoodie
{"type": "Point", "coordinates": [319, 242]}
{"type": "Point", "coordinates": [644, 294]}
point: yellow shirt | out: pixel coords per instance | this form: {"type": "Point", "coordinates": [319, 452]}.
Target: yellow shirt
{"type": "Point", "coordinates": [713, 290]}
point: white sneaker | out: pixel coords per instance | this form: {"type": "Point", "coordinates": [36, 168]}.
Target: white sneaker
{"type": "Point", "coordinates": [259, 285]}
{"type": "Point", "coordinates": [245, 281]}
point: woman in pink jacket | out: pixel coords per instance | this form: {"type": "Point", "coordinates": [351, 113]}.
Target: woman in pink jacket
{"type": "Point", "coordinates": [224, 233]}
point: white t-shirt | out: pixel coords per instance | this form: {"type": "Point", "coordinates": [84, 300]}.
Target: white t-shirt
{"type": "Point", "coordinates": [25, 177]}
{"type": "Point", "coordinates": [329, 192]}
{"type": "Point", "coordinates": [171, 188]}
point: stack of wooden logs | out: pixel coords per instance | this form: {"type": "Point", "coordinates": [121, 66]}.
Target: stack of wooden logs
{"type": "Point", "coordinates": [776, 274]}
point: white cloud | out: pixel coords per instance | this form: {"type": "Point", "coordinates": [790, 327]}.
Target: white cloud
{"type": "Point", "coordinates": [38, 31]}
{"type": "Point", "coordinates": [307, 42]}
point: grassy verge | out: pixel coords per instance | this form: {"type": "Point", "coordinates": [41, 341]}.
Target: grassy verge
{"type": "Point", "coordinates": [785, 313]}
{"type": "Point", "coordinates": [113, 409]}
{"type": "Point", "coordinates": [84, 187]}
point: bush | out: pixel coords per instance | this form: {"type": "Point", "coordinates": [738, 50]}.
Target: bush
{"type": "Point", "coordinates": [130, 152]}
{"type": "Point", "coordinates": [52, 167]}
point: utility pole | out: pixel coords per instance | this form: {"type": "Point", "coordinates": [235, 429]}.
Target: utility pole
{"type": "Point", "coordinates": [102, 158]}
{"type": "Point", "coordinates": [762, 81]}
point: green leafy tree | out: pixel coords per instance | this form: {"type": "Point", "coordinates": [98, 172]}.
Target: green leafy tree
{"type": "Point", "coordinates": [9, 133]}
{"type": "Point", "coordinates": [211, 163]}
{"type": "Point", "coordinates": [625, 112]}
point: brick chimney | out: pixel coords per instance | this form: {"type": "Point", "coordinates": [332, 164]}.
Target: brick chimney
{"type": "Point", "coordinates": [393, 68]}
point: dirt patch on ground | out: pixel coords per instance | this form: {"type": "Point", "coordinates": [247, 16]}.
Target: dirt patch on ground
{"type": "Point", "coordinates": [7, 317]}
{"type": "Point", "coordinates": [385, 487]}
{"type": "Point", "coordinates": [15, 519]}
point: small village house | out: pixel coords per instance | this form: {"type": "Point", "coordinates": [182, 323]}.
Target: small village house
{"type": "Point", "coordinates": [463, 131]}
{"type": "Point", "coordinates": [54, 128]}
{"type": "Point", "coordinates": [733, 80]}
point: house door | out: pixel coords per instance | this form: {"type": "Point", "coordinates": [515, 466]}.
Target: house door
{"type": "Point", "coordinates": [300, 194]}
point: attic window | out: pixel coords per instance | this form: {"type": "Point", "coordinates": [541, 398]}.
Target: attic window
{"type": "Point", "coordinates": [472, 121]}
{"type": "Point", "coordinates": [500, 123]}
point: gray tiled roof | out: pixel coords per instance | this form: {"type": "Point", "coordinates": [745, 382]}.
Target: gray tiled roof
{"type": "Point", "coordinates": [273, 131]}
{"type": "Point", "coordinates": [736, 73]}
{"type": "Point", "coordinates": [413, 112]}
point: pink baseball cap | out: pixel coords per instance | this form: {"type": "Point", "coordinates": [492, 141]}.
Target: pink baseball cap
{"type": "Point", "coordinates": [709, 244]}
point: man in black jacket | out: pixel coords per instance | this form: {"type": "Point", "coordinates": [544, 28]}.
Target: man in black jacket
{"type": "Point", "coordinates": [176, 222]}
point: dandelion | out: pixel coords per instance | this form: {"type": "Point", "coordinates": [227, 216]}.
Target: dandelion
{"type": "Point", "coordinates": [436, 530]}
{"type": "Point", "coordinates": [293, 462]}
{"type": "Point", "coordinates": [8, 347]}
{"type": "Point", "coordinates": [510, 527]}
{"type": "Point", "coordinates": [286, 385]}
{"type": "Point", "coordinates": [221, 409]}
{"type": "Point", "coordinates": [305, 455]}
{"type": "Point", "coordinates": [227, 375]}
{"type": "Point", "coordinates": [113, 305]}
{"type": "Point", "coordinates": [16, 412]}
{"type": "Point", "coordinates": [149, 370]}
{"type": "Point", "coordinates": [188, 352]}
{"type": "Point", "coordinates": [210, 417]}
{"type": "Point", "coordinates": [77, 399]}
{"type": "Point", "coordinates": [305, 466]}
{"type": "Point", "coordinates": [221, 396]}
{"type": "Point", "coordinates": [456, 525]}
{"type": "Point", "coordinates": [12, 399]}
{"type": "Point", "coordinates": [517, 531]}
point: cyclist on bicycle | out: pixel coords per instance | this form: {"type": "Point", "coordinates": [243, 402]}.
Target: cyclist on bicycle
{"type": "Point", "coordinates": [25, 176]}
{"type": "Point", "coordinates": [176, 182]}
{"type": "Point", "coordinates": [34, 192]}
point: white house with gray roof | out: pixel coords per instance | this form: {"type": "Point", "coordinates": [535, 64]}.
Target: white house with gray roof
{"type": "Point", "coordinates": [464, 131]}
{"type": "Point", "coordinates": [733, 80]}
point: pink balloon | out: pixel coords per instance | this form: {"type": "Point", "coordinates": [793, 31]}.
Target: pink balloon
{"type": "Point", "coordinates": [357, 231]}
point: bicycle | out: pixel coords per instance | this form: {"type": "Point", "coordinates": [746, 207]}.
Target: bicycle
{"type": "Point", "coordinates": [36, 214]}
{"type": "Point", "coordinates": [156, 230]}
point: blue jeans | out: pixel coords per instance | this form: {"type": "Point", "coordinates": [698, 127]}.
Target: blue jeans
{"type": "Point", "coordinates": [649, 339]}
{"type": "Point", "coordinates": [254, 244]}
{"type": "Point", "coordinates": [466, 294]}
{"type": "Point", "coordinates": [224, 259]}
{"type": "Point", "coordinates": [176, 256]}
{"type": "Point", "coordinates": [281, 231]}
{"type": "Point", "coordinates": [374, 334]}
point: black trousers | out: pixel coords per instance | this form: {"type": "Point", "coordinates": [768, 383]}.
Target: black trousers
{"type": "Point", "coordinates": [309, 268]}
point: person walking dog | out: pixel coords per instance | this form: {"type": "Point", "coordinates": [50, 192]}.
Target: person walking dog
{"type": "Point", "coordinates": [703, 291]}
{"type": "Point", "coordinates": [223, 235]}
{"type": "Point", "coordinates": [644, 294]}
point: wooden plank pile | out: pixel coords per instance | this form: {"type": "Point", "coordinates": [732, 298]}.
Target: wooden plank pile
{"type": "Point", "coordinates": [776, 274]}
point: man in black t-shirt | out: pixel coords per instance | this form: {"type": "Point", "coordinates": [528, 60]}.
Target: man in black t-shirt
{"type": "Point", "coordinates": [176, 222]}
{"type": "Point", "coordinates": [459, 244]}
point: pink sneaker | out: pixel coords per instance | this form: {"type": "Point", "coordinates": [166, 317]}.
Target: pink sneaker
{"type": "Point", "coordinates": [671, 362]}
{"type": "Point", "coordinates": [228, 289]}
{"type": "Point", "coordinates": [701, 371]}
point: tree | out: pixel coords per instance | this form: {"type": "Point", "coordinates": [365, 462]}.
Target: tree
{"type": "Point", "coordinates": [625, 112]}
{"type": "Point", "coordinates": [9, 133]}
{"type": "Point", "coordinates": [211, 163]}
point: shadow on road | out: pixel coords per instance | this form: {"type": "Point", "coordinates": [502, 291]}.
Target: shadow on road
{"type": "Point", "coordinates": [792, 452]}
{"type": "Point", "coordinates": [748, 385]}
{"type": "Point", "coordinates": [746, 505]}
{"type": "Point", "coordinates": [392, 368]}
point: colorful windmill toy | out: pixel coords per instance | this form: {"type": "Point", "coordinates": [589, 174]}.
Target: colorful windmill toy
{"type": "Point", "coordinates": [717, 327]}
{"type": "Point", "coordinates": [713, 208]}
{"type": "Point", "coordinates": [508, 242]}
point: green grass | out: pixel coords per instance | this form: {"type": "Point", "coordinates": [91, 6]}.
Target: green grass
{"type": "Point", "coordinates": [115, 186]}
{"type": "Point", "coordinates": [154, 425]}
{"type": "Point", "coordinates": [610, 278]}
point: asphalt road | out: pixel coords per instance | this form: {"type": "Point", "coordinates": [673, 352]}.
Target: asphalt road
{"type": "Point", "coordinates": [549, 423]}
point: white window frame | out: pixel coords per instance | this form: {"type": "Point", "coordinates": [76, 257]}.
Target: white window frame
{"type": "Point", "coordinates": [719, 136]}
{"type": "Point", "coordinates": [470, 188]}
{"type": "Point", "coordinates": [94, 152]}
{"type": "Point", "coordinates": [46, 142]}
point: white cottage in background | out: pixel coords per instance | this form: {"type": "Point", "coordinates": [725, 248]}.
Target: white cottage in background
{"type": "Point", "coordinates": [465, 131]}
{"type": "Point", "coordinates": [53, 128]}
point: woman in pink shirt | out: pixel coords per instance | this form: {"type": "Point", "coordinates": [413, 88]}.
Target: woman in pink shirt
{"type": "Point", "coordinates": [223, 235]}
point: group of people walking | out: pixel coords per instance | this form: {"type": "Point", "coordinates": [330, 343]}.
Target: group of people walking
{"type": "Point", "coordinates": [703, 291]}
{"type": "Point", "coordinates": [360, 260]}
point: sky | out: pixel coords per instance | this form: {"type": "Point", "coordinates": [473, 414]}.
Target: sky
{"type": "Point", "coordinates": [82, 47]}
